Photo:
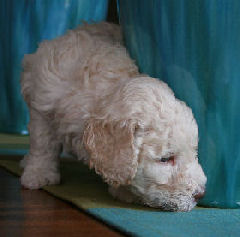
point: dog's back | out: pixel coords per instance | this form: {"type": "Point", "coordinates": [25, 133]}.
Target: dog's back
{"type": "Point", "coordinates": [87, 60]}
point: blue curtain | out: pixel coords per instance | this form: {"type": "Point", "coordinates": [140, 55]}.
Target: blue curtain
{"type": "Point", "coordinates": [23, 24]}
{"type": "Point", "coordinates": [195, 47]}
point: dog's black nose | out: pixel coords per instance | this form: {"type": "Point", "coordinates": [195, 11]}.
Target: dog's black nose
{"type": "Point", "coordinates": [198, 195]}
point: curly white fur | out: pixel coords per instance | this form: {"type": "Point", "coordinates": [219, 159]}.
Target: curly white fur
{"type": "Point", "coordinates": [86, 94]}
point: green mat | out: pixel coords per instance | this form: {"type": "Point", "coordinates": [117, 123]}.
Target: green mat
{"type": "Point", "coordinates": [85, 189]}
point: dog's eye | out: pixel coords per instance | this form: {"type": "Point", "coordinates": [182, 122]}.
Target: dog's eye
{"type": "Point", "coordinates": [170, 159]}
{"type": "Point", "coordinates": [164, 159]}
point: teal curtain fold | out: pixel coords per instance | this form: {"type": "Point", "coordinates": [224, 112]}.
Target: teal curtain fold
{"type": "Point", "coordinates": [23, 25]}
{"type": "Point", "coordinates": [195, 47]}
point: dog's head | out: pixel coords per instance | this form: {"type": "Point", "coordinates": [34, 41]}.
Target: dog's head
{"type": "Point", "coordinates": [147, 143]}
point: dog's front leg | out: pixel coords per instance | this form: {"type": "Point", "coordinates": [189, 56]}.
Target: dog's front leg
{"type": "Point", "coordinates": [41, 164]}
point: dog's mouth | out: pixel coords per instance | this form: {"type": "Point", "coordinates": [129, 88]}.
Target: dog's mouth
{"type": "Point", "coordinates": [169, 200]}
{"type": "Point", "coordinates": [172, 206]}
{"type": "Point", "coordinates": [174, 202]}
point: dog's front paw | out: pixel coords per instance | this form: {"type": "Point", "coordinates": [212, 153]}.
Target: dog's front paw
{"type": "Point", "coordinates": [37, 178]}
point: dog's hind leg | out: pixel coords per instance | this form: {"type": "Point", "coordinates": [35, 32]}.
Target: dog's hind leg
{"type": "Point", "coordinates": [41, 164]}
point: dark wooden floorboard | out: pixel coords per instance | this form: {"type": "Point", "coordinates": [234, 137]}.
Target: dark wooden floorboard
{"type": "Point", "coordinates": [36, 213]}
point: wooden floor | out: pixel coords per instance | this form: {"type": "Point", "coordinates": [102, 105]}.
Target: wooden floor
{"type": "Point", "coordinates": [36, 213]}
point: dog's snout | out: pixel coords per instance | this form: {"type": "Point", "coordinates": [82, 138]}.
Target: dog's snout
{"type": "Point", "coordinates": [198, 195]}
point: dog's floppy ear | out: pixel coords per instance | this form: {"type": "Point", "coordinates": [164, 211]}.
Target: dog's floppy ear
{"type": "Point", "coordinates": [112, 150]}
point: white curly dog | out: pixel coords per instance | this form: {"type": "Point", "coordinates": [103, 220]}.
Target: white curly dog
{"type": "Point", "coordinates": [85, 94]}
